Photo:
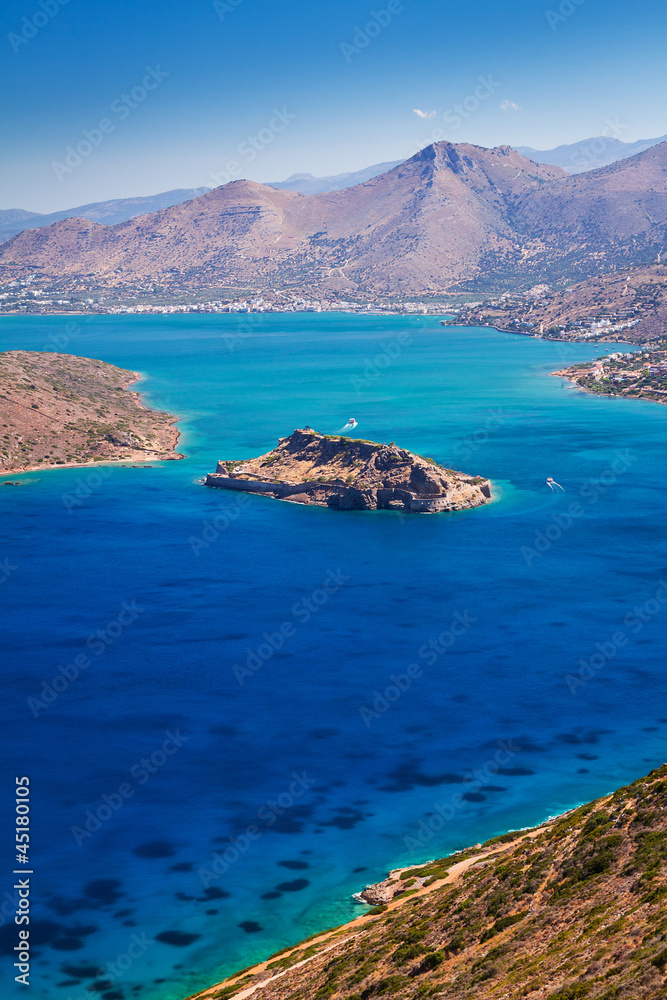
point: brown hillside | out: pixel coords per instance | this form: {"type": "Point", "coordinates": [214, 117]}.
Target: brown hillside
{"type": "Point", "coordinates": [573, 910]}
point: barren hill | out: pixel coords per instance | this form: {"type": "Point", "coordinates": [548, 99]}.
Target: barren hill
{"type": "Point", "coordinates": [57, 410]}
{"type": "Point", "coordinates": [421, 225]}
{"type": "Point", "coordinates": [450, 214]}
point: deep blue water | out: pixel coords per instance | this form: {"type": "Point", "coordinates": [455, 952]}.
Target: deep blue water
{"type": "Point", "coordinates": [208, 574]}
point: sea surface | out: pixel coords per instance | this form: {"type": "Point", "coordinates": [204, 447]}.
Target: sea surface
{"type": "Point", "coordinates": [208, 788]}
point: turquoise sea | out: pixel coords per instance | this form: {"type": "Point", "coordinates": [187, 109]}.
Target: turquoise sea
{"type": "Point", "coordinates": [208, 788]}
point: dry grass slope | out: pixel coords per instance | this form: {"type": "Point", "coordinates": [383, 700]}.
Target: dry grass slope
{"type": "Point", "coordinates": [58, 409]}
{"type": "Point", "coordinates": [574, 909]}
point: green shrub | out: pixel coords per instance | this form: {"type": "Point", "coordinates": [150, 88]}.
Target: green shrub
{"type": "Point", "coordinates": [407, 952]}
{"type": "Point", "coordinates": [572, 992]}
{"type": "Point", "coordinates": [502, 924]}
{"type": "Point", "coordinates": [660, 960]}
{"type": "Point", "coordinates": [432, 961]}
{"type": "Point", "coordinates": [386, 985]}
{"type": "Point", "coordinates": [596, 824]}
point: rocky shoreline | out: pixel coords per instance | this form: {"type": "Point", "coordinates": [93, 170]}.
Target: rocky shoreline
{"type": "Point", "coordinates": [345, 473]}
{"type": "Point", "coordinates": [551, 911]}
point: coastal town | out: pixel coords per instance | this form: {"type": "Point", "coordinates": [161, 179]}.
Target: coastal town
{"type": "Point", "coordinates": [32, 296]}
{"type": "Point", "coordinates": [642, 374]}
{"type": "Point", "coordinates": [628, 304]}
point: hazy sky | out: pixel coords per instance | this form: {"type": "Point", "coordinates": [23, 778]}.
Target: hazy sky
{"type": "Point", "coordinates": [195, 92]}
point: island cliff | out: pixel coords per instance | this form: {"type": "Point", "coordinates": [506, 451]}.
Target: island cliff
{"type": "Point", "coordinates": [349, 474]}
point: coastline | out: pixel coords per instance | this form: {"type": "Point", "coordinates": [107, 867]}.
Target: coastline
{"type": "Point", "coordinates": [534, 336]}
{"type": "Point", "coordinates": [491, 920]}
{"type": "Point", "coordinates": [140, 456]}
{"type": "Point", "coordinates": [334, 936]}
{"type": "Point", "coordinates": [607, 395]}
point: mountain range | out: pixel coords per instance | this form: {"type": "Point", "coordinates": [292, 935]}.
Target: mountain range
{"type": "Point", "coordinates": [15, 220]}
{"type": "Point", "coordinates": [573, 157]}
{"type": "Point", "coordinates": [589, 154]}
{"type": "Point", "coordinates": [452, 215]}
{"type": "Point", "coordinates": [308, 184]}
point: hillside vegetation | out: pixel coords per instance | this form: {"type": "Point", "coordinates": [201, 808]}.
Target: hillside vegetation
{"type": "Point", "coordinates": [574, 909]}
{"type": "Point", "coordinates": [58, 409]}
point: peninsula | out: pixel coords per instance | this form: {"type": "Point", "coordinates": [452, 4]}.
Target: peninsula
{"type": "Point", "coordinates": [59, 410]}
{"type": "Point", "coordinates": [641, 375]}
{"type": "Point", "coordinates": [574, 908]}
{"type": "Point", "coordinates": [350, 474]}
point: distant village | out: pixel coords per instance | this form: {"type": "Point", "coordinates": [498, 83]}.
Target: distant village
{"type": "Point", "coordinates": [31, 297]}
{"type": "Point", "coordinates": [511, 311]}
{"type": "Point", "coordinates": [641, 374]}
{"type": "Point", "coordinates": [514, 312]}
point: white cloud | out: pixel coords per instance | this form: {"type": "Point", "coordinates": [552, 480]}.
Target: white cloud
{"type": "Point", "coordinates": [509, 106]}
{"type": "Point", "coordinates": [424, 114]}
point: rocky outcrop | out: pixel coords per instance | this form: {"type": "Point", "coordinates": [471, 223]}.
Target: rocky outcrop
{"type": "Point", "coordinates": [349, 474]}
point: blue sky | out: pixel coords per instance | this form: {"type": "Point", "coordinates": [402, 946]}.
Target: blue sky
{"type": "Point", "coordinates": [196, 91]}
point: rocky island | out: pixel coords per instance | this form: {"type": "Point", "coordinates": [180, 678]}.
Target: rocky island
{"type": "Point", "coordinates": [59, 410]}
{"type": "Point", "coordinates": [351, 474]}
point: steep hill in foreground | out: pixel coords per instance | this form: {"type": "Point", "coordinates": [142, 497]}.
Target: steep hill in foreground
{"type": "Point", "coordinates": [574, 909]}
{"type": "Point", "coordinates": [57, 410]}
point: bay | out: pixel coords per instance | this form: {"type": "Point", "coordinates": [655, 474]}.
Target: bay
{"type": "Point", "coordinates": [266, 781]}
